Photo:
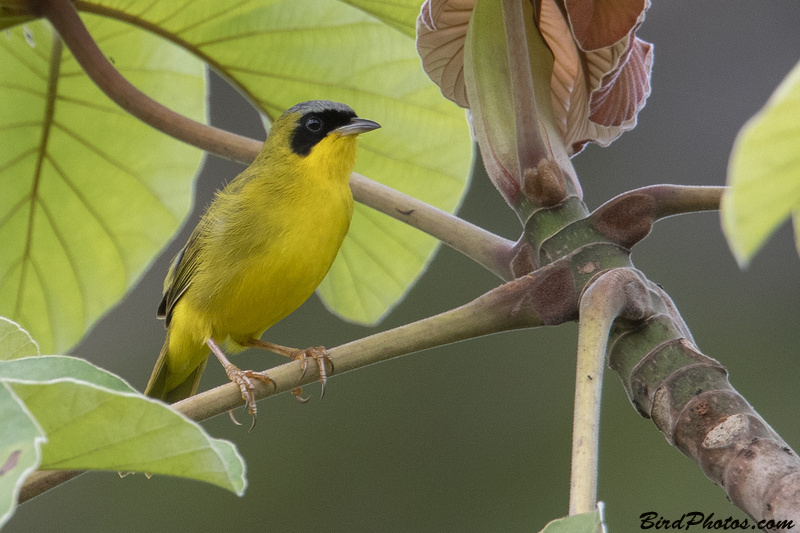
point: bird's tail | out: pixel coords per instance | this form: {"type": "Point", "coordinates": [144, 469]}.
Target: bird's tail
{"type": "Point", "coordinates": [157, 386]}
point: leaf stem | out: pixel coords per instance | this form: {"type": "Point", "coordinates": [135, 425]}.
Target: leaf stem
{"type": "Point", "coordinates": [673, 200]}
{"type": "Point", "coordinates": [617, 292]}
{"type": "Point", "coordinates": [531, 148]}
{"type": "Point", "coordinates": [597, 315]}
{"type": "Point", "coordinates": [628, 218]}
{"type": "Point", "coordinates": [65, 20]}
{"type": "Point", "coordinates": [489, 250]}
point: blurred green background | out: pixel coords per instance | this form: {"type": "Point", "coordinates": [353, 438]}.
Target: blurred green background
{"type": "Point", "coordinates": [476, 436]}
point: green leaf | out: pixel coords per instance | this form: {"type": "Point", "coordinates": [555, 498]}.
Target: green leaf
{"type": "Point", "coordinates": [764, 173]}
{"type": "Point", "coordinates": [50, 367]}
{"type": "Point", "coordinates": [21, 440]}
{"type": "Point", "coordinates": [400, 14]}
{"type": "Point", "coordinates": [94, 420]}
{"type": "Point", "coordinates": [89, 193]}
{"type": "Point", "coordinates": [15, 342]}
{"type": "Point", "coordinates": [279, 53]}
{"type": "Point", "coordinates": [580, 523]}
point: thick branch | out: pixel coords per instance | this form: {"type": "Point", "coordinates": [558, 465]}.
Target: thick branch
{"type": "Point", "coordinates": [689, 398]}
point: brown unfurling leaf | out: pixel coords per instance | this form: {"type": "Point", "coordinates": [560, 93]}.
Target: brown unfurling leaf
{"type": "Point", "coordinates": [597, 93]}
{"type": "Point", "coordinates": [441, 29]}
{"type": "Point", "coordinates": [601, 70]}
{"type": "Point", "coordinates": [601, 23]}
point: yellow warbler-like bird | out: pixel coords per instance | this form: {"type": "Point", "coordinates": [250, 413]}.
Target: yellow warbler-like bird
{"type": "Point", "coordinates": [260, 250]}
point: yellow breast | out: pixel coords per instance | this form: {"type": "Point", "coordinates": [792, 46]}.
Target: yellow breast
{"type": "Point", "coordinates": [272, 245]}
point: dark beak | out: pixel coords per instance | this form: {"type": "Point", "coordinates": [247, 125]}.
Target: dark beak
{"type": "Point", "coordinates": [356, 126]}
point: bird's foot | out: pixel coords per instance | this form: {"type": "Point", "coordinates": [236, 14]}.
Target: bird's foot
{"type": "Point", "coordinates": [318, 353]}
{"type": "Point", "coordinates": [244, 378]}
{"type": "Point", "coordinates": [323, 359]}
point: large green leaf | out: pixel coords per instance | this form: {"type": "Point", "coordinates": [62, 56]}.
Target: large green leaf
{"type": "Point", "coordinates": [92, 194]}
{"type": "Point", "coordinates": [61, 412]}
{"type": "Point", "coordinates": [282, 52]}
{"type": "Point", "coordinates": [89, 194]}
{"type": "Point", "coordinates": [764, 173]}
{"type": "Point", "coordinates": [94, 420]}
{"type": "Point", "coordinates": [400, 14]}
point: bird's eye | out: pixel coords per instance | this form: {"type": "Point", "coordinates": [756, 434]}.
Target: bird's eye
{"type": "Point", "coordinates": [313, 124]}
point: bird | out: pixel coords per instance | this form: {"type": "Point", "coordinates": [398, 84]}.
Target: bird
{"type": "Point", "coordinates": [259, 251]}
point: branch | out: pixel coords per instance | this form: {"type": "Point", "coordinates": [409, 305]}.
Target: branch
{"type": "Point", "coordinates": [525, 302]}
{"type": "Point", "coordinates": [489, 250]}
{"type": "Point", "coordinates": [619, 292]}
{"type": "Point", "coordinates": [629, 217]}
{"type": "Point", "coordinates": [690, 400]}
{"type": "Point", "coordinates": [522, 303]}
{"type": "Point", "coordinates": [43, 480]}
{"type": "Point", "coordinates": [687, 395]}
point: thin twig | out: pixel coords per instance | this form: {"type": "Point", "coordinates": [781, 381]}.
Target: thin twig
{"type": "Point", "coordinates": [509, 306]}
{"type": "Point", "coordinates": [489, 250]}
{"type": "Point", "coordinates": [516, 304]}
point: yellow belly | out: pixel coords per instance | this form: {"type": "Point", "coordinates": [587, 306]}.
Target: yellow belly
{"type": "Point", "coordinates": [261, 284]}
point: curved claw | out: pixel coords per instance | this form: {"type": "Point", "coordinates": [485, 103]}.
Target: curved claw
{"type": "Point", "coordinates": [304, 358]}
{"type": "Point", "coordinates": [298, 394]}
{"type": "Point", "coordinates": [233, 418]}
